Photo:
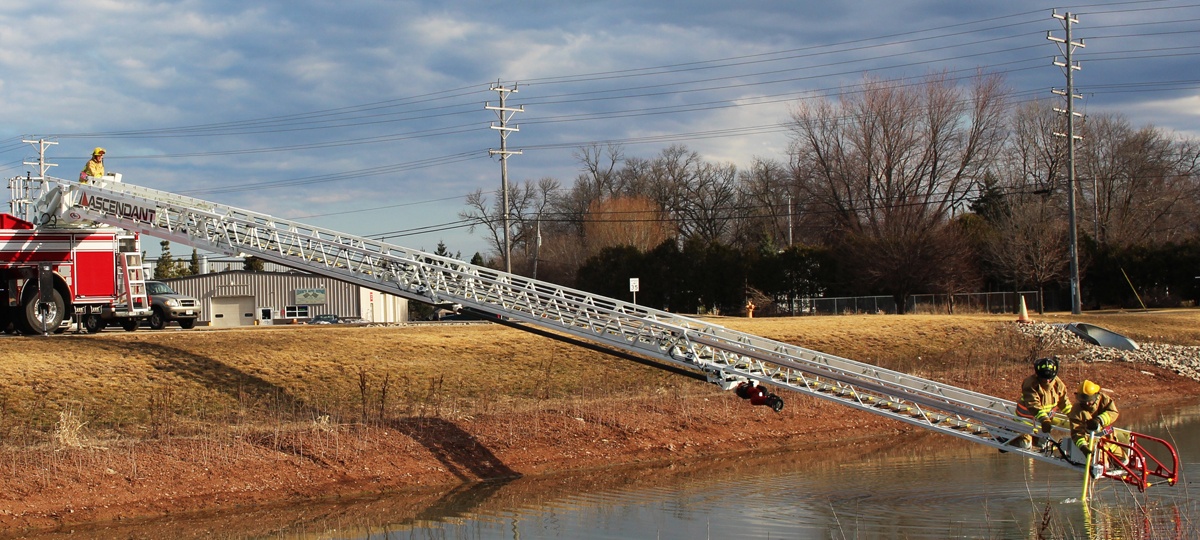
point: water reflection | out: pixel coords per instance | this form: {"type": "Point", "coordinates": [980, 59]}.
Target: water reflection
{"type": "Point", "coordinates": [929, 486]}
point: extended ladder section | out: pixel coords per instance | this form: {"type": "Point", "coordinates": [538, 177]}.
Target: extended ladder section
{"type": "Point", "coordinates": [725, 356]}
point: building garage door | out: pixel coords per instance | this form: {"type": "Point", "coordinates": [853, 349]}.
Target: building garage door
{"type": "Point", "coordinates": [229, 311]}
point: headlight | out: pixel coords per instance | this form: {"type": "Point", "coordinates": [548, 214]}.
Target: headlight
{"type": "Point", "coordinates": [172, 302]}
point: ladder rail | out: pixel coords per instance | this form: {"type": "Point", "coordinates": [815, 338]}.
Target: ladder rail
{"type": "Point", "coordinates": [235, 231]}
{"type": "Point", "coordinates": [724, 355]}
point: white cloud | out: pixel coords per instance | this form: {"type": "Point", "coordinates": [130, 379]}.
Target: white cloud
{"type": "Point", "coordinates": [441, 30]}
{"type": "Point", "coordinates": [1181, 114]}
{"type": "Point", "coordinates": [99, 66]}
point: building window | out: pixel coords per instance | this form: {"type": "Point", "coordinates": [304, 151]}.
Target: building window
{"type": "Point", "coordinates": [295, 312]}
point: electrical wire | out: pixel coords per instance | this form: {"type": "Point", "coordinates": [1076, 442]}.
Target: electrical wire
{"type": "Point", "coordinates": [706, 65]}
{"type": "Point", "coordinates": [355, 115]}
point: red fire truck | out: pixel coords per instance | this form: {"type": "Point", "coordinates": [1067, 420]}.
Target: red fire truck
{"type": "Point", "coordinates": [50, 277]}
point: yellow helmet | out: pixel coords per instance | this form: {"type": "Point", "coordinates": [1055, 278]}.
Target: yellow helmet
{"type": "Point", "coordinates": [98, 151]}
{"type": "Point", "coordinates": [1088, 388]}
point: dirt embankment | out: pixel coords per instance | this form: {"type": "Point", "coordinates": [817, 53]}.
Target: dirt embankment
{"type": "Point", "coordinates": [120, 426]}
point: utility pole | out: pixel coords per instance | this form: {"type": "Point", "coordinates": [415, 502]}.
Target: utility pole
{"type": "Point", "coordinates": [23, 194]}
{"type": "Point", "coordinates": [1066, 47]}
{"type": "Point", "coordinates": [504, 114]}
{"type": "Point", "coordinates": [537, 247]}
{"type": "Point", "coordinates": [789, 216]}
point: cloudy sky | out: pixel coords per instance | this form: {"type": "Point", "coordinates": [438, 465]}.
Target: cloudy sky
{"type": "Point", "coordinates": [367, 116]}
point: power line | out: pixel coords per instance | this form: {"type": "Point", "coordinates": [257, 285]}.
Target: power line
{"type": "Point", "coordinates": [384, 112]}
{"type": "Point", "coordinates": [207, 129]}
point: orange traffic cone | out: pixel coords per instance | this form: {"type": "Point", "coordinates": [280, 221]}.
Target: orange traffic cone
{"type": "Point", "coordinates": [1023, 314]}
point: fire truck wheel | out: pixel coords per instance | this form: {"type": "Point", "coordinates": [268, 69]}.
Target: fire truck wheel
{"type": "Point", "coordinates": [130, 324]}
{"type": "Point", "coordinates": [35, 319]}
{"type": "Point", "coordinates": [93, 323]}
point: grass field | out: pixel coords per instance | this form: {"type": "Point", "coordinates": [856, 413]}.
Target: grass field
{"type": "Point", "coordinates": [152, 384]}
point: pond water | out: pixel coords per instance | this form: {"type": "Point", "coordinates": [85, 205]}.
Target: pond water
{"type": "Point", "coordinates": [921, 486]}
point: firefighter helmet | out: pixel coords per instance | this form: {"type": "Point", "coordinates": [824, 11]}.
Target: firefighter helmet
{"type": "Point", "coordinates": [1046, 368]}
{"type": "Point", "coordinates": [1088, 391]}
{"type": "Point", "coordinates": [97, 151]}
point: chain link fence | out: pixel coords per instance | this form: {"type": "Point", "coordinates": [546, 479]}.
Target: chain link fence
{"type": "Point", "coordinates": [990, 302]}
{"type": "Point", "coordinates": [984, 302]}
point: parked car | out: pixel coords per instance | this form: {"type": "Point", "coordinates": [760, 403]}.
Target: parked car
{"type": "Point", "coordinates": [168, 306]}
{"type": "Point", "coordinates": [327, 318]}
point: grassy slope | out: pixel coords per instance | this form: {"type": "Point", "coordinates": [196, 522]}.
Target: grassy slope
{"type": "Point", "coordinates": [129, 384]}
{"type": "Point", "coordinates": [145, 423]}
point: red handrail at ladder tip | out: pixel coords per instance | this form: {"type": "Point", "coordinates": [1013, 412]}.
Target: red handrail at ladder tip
{"type": "Point", "coordinates": [1142, 467]}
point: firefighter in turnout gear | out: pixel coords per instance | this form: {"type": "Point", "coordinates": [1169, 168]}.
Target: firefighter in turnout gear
{"type": "Point", "coordinates": [1042, 394]}
{"type": "Point", "coordinates": [94, 167]}
{"type": "Point", "coordinates": [1093, 414]}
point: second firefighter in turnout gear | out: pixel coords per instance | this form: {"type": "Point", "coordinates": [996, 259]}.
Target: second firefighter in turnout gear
{"type": "Point", "coordinates": [758, 395]}
{"type": "Point", "coordinates": [1042, 394]}
{"type": "Point", "coordinates": [1093, 414]}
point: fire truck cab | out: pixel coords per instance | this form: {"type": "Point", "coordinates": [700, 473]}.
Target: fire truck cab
{"type": "Point", "coordinates": [50, 277]}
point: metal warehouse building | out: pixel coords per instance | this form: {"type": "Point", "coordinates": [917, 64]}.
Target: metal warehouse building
{"type": "Point", "coordinates": [240, 298]}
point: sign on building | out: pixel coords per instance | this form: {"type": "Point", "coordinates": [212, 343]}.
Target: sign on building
{"type": "Point", "coordinates": [310, 297]}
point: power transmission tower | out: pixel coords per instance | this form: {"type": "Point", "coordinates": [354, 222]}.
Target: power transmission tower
{"type": "Point", "coordinates": [505, 114]}
{"type": "Point", "coordinates": [1067, 47]}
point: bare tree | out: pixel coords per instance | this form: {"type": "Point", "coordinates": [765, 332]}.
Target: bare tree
{"type": "Point", "coordinates": [528, 200]}
{"type": "Point", "coordinates": [600, 179]}
{"type": "Point", "coordinates": [600, 176]}
{"type": "Point", "coordinates": [668, 178]}
{"type": "Point", "coordinates": [893, 164]}
{"type": "Point", "coordinates": [1028, 244]}
{"type": "Point", "coordinates": [708, 207]}
{"type": "Point", "coordinates": [1035, 159]}
{"type": "Point", "coordinates": [1144, 182]}
{"type": "Point", "coordinates": [765, 200]}
{"type": "Point", "coordinates": [1025, 243]}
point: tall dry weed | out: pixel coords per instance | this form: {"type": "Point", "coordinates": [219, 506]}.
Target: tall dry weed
{"type": "Point", "coordinates": [384, 386]}
{"type": "Point", "coordinates": [68, 432]}
{"type": "Point", "coordinates": [161, 412]}
{"type": "Point", "coordinates": [364, 386]}
{"type": "Point", "coordinates": [373, 408]}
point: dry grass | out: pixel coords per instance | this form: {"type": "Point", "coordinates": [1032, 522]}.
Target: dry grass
{"type": "Point", "coordinates": [156, 384]}
{"type": "Point", "coordinates": [68, 431]}
{"type": "Point", "coordinates": [148, 385]}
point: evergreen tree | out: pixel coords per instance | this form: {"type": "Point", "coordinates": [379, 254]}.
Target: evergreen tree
{"type": "Point", "coordinates": [166, 267]}
{"type": "Point", "coordinates": [254, 264]}
{"type": "Point", "coordinates": [442, 251]}
{"type": "Point", "coordinates": [194, 264]}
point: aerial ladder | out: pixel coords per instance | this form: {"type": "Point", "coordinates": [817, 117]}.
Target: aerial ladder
{"type": "Point", "coordinates": [720, 355]}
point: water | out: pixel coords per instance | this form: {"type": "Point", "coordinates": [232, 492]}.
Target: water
{"type": "Point", "coordinates": [922, 486]}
